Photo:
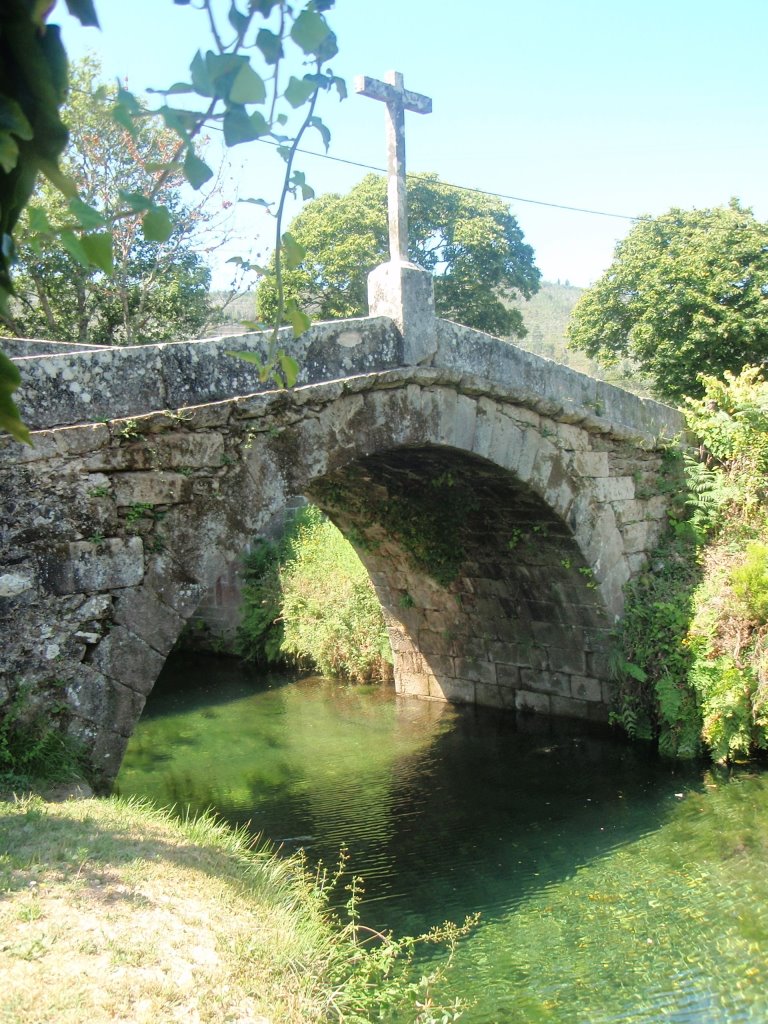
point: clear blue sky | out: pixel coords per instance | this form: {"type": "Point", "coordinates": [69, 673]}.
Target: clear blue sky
{"type": "Point", "coordinates": [623, 107]}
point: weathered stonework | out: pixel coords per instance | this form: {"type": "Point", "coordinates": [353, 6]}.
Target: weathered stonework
{"type": "Point", "coordinates": [113, 532]}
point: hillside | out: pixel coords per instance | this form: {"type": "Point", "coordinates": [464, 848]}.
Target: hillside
{"type": "Point", "coordinates": [546, 318]}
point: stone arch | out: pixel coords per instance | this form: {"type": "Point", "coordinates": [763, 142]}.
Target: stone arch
{"type": "Point", "coordinates": [212, 476]}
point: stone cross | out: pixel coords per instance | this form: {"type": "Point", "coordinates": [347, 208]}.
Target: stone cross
{"type": "Point", "coordinates": [397, 99]}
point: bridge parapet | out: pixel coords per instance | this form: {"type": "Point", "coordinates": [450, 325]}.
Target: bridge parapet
{"type": "Point", "coordinates": [88, 385]}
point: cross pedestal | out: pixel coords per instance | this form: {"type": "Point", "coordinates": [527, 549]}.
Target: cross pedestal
{"type": "Point", "coordinates": [399, 289]}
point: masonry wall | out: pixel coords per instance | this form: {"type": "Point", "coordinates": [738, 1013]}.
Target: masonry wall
{"type": "Point", "coordinates": [112, 533]}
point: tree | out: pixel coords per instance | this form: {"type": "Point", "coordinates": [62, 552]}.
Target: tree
{"type": "Point", "coordinates": [224, 88]}
{"type": "Point", "coordinates": [470, 242]}
{"type": "Point", "coordinates": [156, 290]}
{"type": "Point", "coordinates": [687, 293]}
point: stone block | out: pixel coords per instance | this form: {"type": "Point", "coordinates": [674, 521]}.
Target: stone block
{"type": "Point", "coordinates": [545, 682]}
{"type": "Point", "coordinates": [566, 707]}
{"type": "Point", "coordinates": [526, 700]}
{"type": "Point", "coordinates": [125, 657]}
{"type": "Point", "coordinates": [476, 671]}
{"type": "Point", "coordinates": [83, 567]}
{"type": "Point", "coordinates": [571, 438]}
{"type": "Point", "coordinates": [489, 696]}
{"type": "Point", "coordinates": [440, 665]}
{"type": "Point", "coordinates": [150, 488]}
{"type": "Point", "coordinates": [460, 691]}
{"type": "Point", "coordinates": [412, 683]}
{"type": "Point", "coordinates": [81, 439]}
{"type": "Point", "coordinates": [599, 665]}
{"type": "Point", "coordinates": [567, 659]}
{"type": "Point", "coordinates": [636, 537]}
{"type": "Point", "coordinates": [586, 688]}
{"type": "Point", "coordinates": [405, 293]}
{"type": "Point", "coordinates": [508, 676]}
{"type": "Point", "coordinates": [141, 612]}
{"type": "Point", "coordinates": [617, 488]}
{"type": "Point", "coordinates": [591, 464]}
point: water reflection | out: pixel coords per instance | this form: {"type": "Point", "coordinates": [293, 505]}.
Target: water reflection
{"type": "Point", "coordinates": [613, 887]}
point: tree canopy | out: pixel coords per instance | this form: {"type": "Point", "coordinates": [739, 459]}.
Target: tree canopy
{"type": "Point", "coordinates": [687, 293]}
{"type": "Point", "coordinates": [144, 290]}
{"type": "Point", "coordinates": [470, 242]}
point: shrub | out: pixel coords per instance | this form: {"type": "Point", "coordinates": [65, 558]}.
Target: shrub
{"type": "Point", "coordinates": [307, 598]}
{"type": "Point", "coordinates": [331, 615]}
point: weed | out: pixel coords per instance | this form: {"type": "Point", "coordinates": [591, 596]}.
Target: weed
{"type": "Point", "coordinates": [99, 492]}
{"type": "Point", "coordinates": [129, 430]}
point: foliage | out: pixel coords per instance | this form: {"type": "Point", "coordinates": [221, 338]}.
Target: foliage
{"type": "Point", "coordinates": [694, 641]}
{"type": "Point", "coordinates": [331, 615]}
{"type": "Point", "coordinates": [652, 663]}
{"type": "Point", "coordinates": [156, 290]}
{"type": "Point", "coordinates": [471, 243]}
{"type": "Point", "coordinates": [307, 597]}
{"type": "Point", "coordinates": [225, 88]}
{"type": "Point", "coordinates": [31, 748]}
{"type": "Point", "coordinates": [273, 947]}
{"type": "Point", "coordinates": [685, 294]}
{"type": "Point", "coordinates": [260, 634]}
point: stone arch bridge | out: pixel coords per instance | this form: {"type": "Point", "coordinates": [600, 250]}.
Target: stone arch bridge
{"type": "Point", "coordinates": [500, 503]}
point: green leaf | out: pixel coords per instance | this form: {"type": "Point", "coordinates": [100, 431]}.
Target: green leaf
{"type": "Point", "coordinates": [315, 122]}
{"type": "Point", "coordinates": [99, 250]}
{"type": "Point", "coordinates": [237, 20]}
{"type": "Point", "coordinates": [341, 86]}
{"type": "Point", "coordinates": [157, 225]}
{"type": "Point", "coordinates": [309, 31]}
{"type": "Point", "coordinates": [248, 357]}
{"type": "Point", "coordinates": [271, 45]}
{"type": "Point", "coordinates": [288, 364]}
{"type": "Point", "coordinates": [177, 89]}
{"type": "Point", "coordinates": [126, 110]}
{"type": "Point", "coordinates": [13, 119]}
{"type": "Point", "coordinates": [181, 121]}
{"type": "Point", "coordinates": [135, 201]}
{"type": "Point", "coordinates": [75, 248]}
{"type": "Point", "coordinates": [38, 220]}
{"type": "Point", "coordinates": [9, 152]}
{"type": "Point", "coordinates": [299, 90]}
{"type": "Point", "coordinates": [299, 180]}
{"type": "Point", "coordinates": [264, 7]}
{"type": "Point", "coordinates": [247, 87]}
{"type": "Point", "coordinates": [299, 320]}
{"type": "Point", "coordinates": [10, 378]}
{"type": "Point", "coordinates": [293, 253]}
{"type": "Point", "coordinates": [84, 11]}
{"type": "Point", "coordinates": [196, 171]}
{"type": "Point", "coordinates": [635, 671]}
{"type": "Point", "coordinates": [201, 78]}
{"type": "Point", "coordinates": [239, 126]}
{"type": "Point", "coordinates": [256, 202]}
{"type": "Point", "coordinates": [85, 215]}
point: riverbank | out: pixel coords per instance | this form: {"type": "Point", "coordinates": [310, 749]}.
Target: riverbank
{"type": "Point", "coordinates": [113, 911]}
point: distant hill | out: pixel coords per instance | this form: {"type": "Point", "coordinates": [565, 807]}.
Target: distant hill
{"type": "Point", "coordinates": [546, 318]}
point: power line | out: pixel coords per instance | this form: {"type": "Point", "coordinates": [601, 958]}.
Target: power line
{"type": "Point", "coordinates": [460, 188]}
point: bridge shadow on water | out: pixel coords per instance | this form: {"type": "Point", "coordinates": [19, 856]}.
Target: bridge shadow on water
{"type": "Point", "coordinates": [444, 809]}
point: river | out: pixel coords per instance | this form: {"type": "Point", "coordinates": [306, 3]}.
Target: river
{"type": "Point", "coordinates": [612, 886]}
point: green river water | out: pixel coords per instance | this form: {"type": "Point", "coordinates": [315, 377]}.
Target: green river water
{"type": "Point", "coordinates": [613, 887]}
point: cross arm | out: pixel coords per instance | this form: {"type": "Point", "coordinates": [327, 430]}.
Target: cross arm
{"type": "Point", "coordinates": [386, 93]}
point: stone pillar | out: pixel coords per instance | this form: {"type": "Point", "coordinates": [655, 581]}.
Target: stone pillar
{"type": "Point", "coordinates": [405, 293]}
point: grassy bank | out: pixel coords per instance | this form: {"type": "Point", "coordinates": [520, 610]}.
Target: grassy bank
{"type": "Point", "coordinates": [112, 911]}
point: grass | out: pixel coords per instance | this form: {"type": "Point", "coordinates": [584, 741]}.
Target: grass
{"type": "Point", "coordinates": [112, 911]}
